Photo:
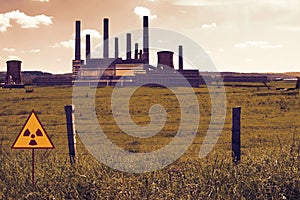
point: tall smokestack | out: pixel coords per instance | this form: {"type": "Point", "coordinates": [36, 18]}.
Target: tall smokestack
{"type": "Point", "coordinates": [77, 41]}
{"type": "Point", "coordinates": [136, 51]}
{"type": "Point", "coordinates": [116, 47]}
{"type": "Point", "coordinates": [128, 50]}
{"type": "Point", "coordinates": [105, 38]}
{"type": "Point", "coordinates": [180, 64]}
{"type": "Point", "coordinates": [146, 39]}
{"type": "Point", "coordinates": [87, 47]}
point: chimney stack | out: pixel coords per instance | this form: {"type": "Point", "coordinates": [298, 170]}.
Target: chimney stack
{"type": "Point", "coordinates": [77, 41]}
{"type": "Point", "coordinates": [180, 58]}
{"type": "Point", "coordinates": [136, 51]}
{"type": "Point", "coordinates": [146, 39]}
{"type": "Point", "coordinates": [128, 50]}
{"type": "Point", "coordinates": [87, 47]}
{"type": "Point", "coordinates": [105, 38]}
{"type": "Point", "coordinates": [116, 47]}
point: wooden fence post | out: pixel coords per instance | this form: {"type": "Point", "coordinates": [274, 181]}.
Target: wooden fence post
{"type": "Point", "coordinates": [69, 110]}
{"type": "Point", "coordinates": [236, 134]}
{"type": "Point", "coordinates": [298, 83]}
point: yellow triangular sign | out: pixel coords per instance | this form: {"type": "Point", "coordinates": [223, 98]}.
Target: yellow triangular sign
{"type": "Point", "coordinates": [33, 135]}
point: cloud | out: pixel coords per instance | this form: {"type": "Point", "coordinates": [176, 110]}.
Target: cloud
{"type": "Point", "coordinates": [251, 44]}
{"type": "Point", "coordinates": [35, 51]}
{"type": "Point", "coordinates": [272, 46]}
{"type": "Point", "coordinates": [27, 21]}
{"type": "Point", "coordinates": [279, 3]}
{"type": "Point", "coordinates": [282, 4]}
{"type": "Point", "coordinates": [4, 23]}
{"type": "Point", "coordinates": [209, 26]}
{"type": "Point", "coordinates": [93, 33]}
{"type": "Point", "coordinates": [143, 11]}
{"type": "Point", "coordinates": [22, 19]}
{"type": "Point", "coordinates": [209, 52]}
{"type": "Point", "coordinates": [204, 2]}
{"type": "Point", "coordinates": [41, 0]}
{"type": "Point", "coordinates": [13, 57]}
{"type": "Point", "coordinates": [66, 44]}
{"type": "Point", "coordinates": [71, 43]}
{"type": "Point", "coordinates": [258, 44]}
{"type": "Point", "coordinates": [9, 49]}
{"type": "Point", "coordinates": [288, 28]}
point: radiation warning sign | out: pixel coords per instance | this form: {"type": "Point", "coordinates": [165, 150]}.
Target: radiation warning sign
{"type": "Point", "coordinates": [33, 135]}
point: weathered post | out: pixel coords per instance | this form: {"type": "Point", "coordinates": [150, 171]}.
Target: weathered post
{"type": "Point", "coordinates": [69, 109]}
{"type": "Point", "coordinates": [236, 134]}
{"type": "Point", "coordinates": [298, 83]}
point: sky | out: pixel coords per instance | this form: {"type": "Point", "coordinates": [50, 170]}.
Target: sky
{"type": "Point", "coordinates": [238, 35]}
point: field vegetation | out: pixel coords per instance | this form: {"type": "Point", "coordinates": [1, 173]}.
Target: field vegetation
{"type": "Point", "coordinates": [269, 168]}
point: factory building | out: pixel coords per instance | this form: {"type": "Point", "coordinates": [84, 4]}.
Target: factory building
{"type": "Point", "coordinates": [132, 70]}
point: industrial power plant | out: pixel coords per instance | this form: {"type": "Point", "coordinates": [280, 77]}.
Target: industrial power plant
{"type": "Point", "coordinates": [134, 70]}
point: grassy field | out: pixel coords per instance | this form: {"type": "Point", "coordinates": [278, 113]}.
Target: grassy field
{"type": "Point", "coordinates": [269, 169]}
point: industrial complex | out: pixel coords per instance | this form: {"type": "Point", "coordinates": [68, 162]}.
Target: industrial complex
{"type": "Point", "coordinates": [135, 69]}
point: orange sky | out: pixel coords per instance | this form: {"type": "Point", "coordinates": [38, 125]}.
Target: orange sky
{"type": "Point", "coordinates": [239, 35]}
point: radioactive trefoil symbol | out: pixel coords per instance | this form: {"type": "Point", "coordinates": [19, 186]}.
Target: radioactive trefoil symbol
{"type": "Point", "coordinates": [38, 133]}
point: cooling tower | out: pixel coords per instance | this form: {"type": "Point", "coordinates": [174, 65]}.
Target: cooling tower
{"type": "Point", "coordinates": [13, 75]}
{"type": "Point", "coordinates": [165, 60]}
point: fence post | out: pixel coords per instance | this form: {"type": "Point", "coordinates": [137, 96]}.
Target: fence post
{"type": "Point", "coordinates": [298, 83]}
{"type": "Point", "coordinates": [236, 135]}
{"type": "Point", "coordinates": [69, 110]}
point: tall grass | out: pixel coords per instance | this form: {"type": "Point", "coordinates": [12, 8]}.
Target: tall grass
{"type": "Point", "coordinates": [269, 169]}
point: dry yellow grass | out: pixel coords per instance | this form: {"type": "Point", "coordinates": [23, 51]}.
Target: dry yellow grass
{"type": "Point", "coordinates": [270, 166]}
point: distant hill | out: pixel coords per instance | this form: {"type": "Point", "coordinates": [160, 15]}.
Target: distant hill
{"type": "Point", "coordinates": [28, 77]}
{"type": "Point", "coordinates": [294, 74]}
{"type": "Point", "coordinates": [270, 75]}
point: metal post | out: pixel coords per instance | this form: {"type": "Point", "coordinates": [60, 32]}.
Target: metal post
{"type": "Point", "coordinates": [236, 134]}
{"type": "Point", "coordinates": [69, 110]}
{"type": "Point", "coordinates": [32, 163]}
